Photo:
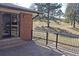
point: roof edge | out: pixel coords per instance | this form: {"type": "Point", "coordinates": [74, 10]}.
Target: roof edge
{"type": "Point", "coordinates": [18, 8]}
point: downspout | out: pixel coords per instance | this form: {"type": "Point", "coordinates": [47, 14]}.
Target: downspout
{"type": "Point", "coordinates": [35, 16]}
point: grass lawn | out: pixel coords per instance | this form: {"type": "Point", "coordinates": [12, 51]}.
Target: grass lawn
{"type": "Point", "coordinates": [60, 25]}
{"type": "Point", "coordinates": [62, 39]}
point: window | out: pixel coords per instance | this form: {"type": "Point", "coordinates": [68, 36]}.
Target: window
{"type": "Point", "coordinates": [11, 25]}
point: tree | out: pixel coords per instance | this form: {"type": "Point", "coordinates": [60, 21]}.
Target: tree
{"type": "Point", "coordinates": [33, 7]}
{"type": "Point", "coordinates": [59, 13]}
{"type": "Point", "coordinates": [43, 7]}
{"type": "Point", "coordinates": [71, 13]}
{"type": "Point", "coordinates": [48, 10]}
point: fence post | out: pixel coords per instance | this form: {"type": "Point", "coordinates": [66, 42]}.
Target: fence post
{"type": "Point", "coordinates": [46, 38]}
{"type": "Point", "coordinates": [56, 40]}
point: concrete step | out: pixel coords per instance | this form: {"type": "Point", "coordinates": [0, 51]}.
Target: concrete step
{"type": "Point", "coordinates": [7, 43]}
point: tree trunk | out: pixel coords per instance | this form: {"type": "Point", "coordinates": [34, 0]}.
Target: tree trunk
{"type": "Point", "coordinates": [74, 24]}
{"type": "Point", "coordinates": [71, 22]}
{"type": "Point", "coordinates": [48, 25]}
{"type": "Point", "coordinates": [78, 22]}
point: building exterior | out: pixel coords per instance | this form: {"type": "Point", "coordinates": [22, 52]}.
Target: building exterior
{"type": "Point", "coordinates": [15, 21]}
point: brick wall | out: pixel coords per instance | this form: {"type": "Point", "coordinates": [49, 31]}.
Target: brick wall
{"type": "Point", "coordinates": [26, 26]}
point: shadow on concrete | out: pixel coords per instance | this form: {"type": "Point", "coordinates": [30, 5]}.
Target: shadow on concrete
{"type": "Point", "coordinates": [30, 48]}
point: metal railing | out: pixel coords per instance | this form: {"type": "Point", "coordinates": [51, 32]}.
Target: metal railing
{"type": "Point", "coordinates": [61, 42]}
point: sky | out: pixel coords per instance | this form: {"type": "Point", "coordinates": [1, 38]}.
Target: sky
{"type": "Point", "coordinates": [26, 4]}
{"type": "Point", "coordinates": [64, 7]}
{"type": "Point", "coordinates": [29, 4]}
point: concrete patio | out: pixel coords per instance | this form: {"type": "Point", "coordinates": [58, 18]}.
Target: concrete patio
{"type": "Point", "coordinates": [30, 48]}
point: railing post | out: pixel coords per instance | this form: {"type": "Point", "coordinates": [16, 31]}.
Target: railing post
{"type": "Point", "coordinates": [46, 38]}
{"type": "Point", "coordinates": [56, 40]}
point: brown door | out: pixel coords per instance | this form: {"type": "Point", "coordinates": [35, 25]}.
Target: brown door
{"type": "Point", "coordinates": [26, 26]}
